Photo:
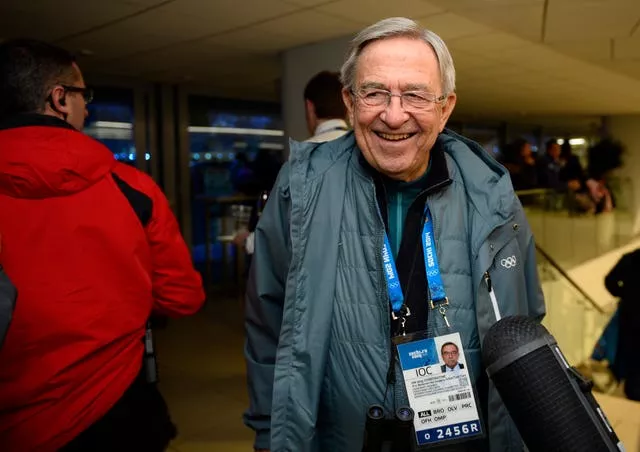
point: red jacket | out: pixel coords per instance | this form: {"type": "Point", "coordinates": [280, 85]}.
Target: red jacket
{"type": "Point", "coordinates": [88, 275]}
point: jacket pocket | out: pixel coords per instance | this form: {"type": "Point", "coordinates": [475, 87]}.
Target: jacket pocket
{"type": "Point", "coordinates": [505, 282]}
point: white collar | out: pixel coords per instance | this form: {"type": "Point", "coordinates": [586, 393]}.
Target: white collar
{"type": "Point", "coordinates": [329, 125]}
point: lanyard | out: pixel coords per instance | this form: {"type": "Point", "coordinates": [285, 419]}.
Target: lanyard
{"type": "Point", "coordinates": [434, 277]}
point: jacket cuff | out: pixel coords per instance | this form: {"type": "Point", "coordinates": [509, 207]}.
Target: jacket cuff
{"type": "Point", "coordinates": [263, 439]}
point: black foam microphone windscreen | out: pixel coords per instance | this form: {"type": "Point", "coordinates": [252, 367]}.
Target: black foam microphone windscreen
{"type": "Point", "coordinates": [549, 401]}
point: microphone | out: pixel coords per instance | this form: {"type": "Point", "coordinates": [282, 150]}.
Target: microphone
{"type": "Point", "coordinates": [549, 401]}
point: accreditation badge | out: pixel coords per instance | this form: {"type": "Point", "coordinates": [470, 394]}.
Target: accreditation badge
{"type": "Point", "coordinates": [439, 388]}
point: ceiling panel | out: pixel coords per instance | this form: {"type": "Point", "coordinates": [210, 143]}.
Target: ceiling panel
{"type": "Point", "coordinates": [79, 10]}
{"type": "Point", "coordinates": [253, 40]}
{"type": "Point", "coordinates": [308, 26]}
{"type": "Point", "coordinates": [630, 67]}
{"type": "Point", "coordinates": [142, 3]}
{"type": "Point", "coordinates": [478, 4]}
{"type": "Point", "coordinates": [370, 11]}
{"type": "Point", "coordinates": [50, 24]}
{"type": "Point", "coordinates": [466, 62]}
{"type": "Point", "coordinates": [588, 49]}
{"type": "Point", "coordinates": [452, 26]}
{"type": "Point", "coordinates": [490, 44]}
{"type": "Point", "coordinates": [117, 41]}
{"type": "Point", "coordinates": [523, 19]}
{"type": "Point", "coordinates": [593, 20]}
{"type": "Point", "coordinates": [190, 19]}
{"type": "Point", "coordinates": [311, 3]}
{"type": "Point", "coordinates": [175, 58]}
{"type": "Point", "coordinates": [627, 48]}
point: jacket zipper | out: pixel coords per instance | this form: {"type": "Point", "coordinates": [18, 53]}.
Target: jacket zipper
{"type": "Point", "coordinates": [399, 223]}
{"type": "Point", "coordinates": [492, 296]}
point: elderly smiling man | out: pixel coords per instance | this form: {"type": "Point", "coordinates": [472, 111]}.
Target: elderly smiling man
{"type": "Point", "coordinates": [375, 247]}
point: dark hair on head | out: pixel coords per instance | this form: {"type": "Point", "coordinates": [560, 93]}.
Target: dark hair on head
{"type": "Point", "coordinates": [29, 70]}
{"type": "Point", "coordinates": [449, 343]}
{"type": "Point", "coordinates": [511, 153]}
{"type": "Point", "coordinates": [565, 149]}
{"type": "Point", "coordinates": [324, 91]}
{"type": "Point", "coordinates": [606, 155]}
{"type": "Point", "coordinates": [550, 143]}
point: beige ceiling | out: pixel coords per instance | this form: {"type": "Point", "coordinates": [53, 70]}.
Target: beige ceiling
{"type": "Point", "coordinates": [515, 57]}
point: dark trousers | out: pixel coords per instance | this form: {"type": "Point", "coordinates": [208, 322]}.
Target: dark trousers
{"type": "Point", "coordinates": [138, 422]}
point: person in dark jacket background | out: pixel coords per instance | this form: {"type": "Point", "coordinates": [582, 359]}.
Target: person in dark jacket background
{"type": "Point", "coordinates": [622, 281]}
{"type": "Point", "coordinates": [93, 249]}
{"type": "Point", "coordinates": [521, 164]}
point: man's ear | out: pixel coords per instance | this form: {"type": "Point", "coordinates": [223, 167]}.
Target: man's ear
{"type": "Point", "coordinates": [57, 100]}
{"type": "Point", "coordinates": [348, 100]}
{"type": "Point", "coordinates": [311, 109]}
{"type": "Point", "coordinates": [447, 108]}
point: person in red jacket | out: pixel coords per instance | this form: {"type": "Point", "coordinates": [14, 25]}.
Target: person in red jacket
{"type": "Point", "coordinates": [94, 250]}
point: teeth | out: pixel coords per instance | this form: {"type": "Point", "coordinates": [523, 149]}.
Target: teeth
{"type": "Point", "coordinates": [394, 137]}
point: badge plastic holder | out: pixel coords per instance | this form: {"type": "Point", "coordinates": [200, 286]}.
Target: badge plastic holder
{"type": "Point", "coordinates": [437, 398]}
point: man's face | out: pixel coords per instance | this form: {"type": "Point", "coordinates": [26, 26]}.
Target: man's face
{"type": "Point", "coordinates": [75, 102]}
{"type": "Point", "coordinates": [396, 140]}
{"type": "Point", "coordinates": [450, 355]}
{"type": "Point", "coordinates": [554, 151]}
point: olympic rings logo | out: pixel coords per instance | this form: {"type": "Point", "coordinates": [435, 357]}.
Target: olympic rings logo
{"type": "Point", "coordinates": [509, 262]}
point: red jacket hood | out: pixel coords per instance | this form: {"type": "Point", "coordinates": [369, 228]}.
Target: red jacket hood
{"type": "Point", "coordinates": [43, 158]}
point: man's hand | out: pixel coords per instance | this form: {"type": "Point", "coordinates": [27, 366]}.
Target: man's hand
{"type": "Point", "coordinates": [240, 238]}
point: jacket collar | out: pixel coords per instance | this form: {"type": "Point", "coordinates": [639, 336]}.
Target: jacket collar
{"type": "Point", "coordinates": [330, 125]}
{"type": "Point", "coordinates": [33, 119]}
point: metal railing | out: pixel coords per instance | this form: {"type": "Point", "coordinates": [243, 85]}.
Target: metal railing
{"type": "Point", "coordinates": [572, 236]}
{"type": "Point", "coordinates": [574, 318]}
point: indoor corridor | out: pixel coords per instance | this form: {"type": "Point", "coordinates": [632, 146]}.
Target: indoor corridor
{"type": "Point", "coordinates": [202, 375]}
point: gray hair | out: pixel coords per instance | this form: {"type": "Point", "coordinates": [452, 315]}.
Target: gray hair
{"type": "Point", "coordinates": [399, 27]}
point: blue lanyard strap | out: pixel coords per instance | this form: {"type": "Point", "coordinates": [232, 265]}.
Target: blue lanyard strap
{"type": "Point", "coordinates": [391, 273]}
{"type": "Point", "coordinates": [434, 278]}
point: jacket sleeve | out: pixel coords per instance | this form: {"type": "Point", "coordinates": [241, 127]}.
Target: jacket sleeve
{"type": "Point", "coordinates": [621, 275]}
{"type": "Point", "coordinates": [535, 296]}
{"type": "Point", "coordinates": [264, 306]}
{"type": "Point", "coordinates": [177, 286]}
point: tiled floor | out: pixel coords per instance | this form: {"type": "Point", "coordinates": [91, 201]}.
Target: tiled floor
{"type": "Point", "coordinates": [203, 378]}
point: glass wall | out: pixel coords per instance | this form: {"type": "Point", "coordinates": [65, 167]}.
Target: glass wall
{"type": "Point", "coordinates": [236, 151]}
{"type": "Point", "coordinates": [111, 122]}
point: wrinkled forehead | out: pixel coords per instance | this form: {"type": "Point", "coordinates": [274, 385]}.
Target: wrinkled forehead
{"type": "Point", "coordinates": [399, 63]}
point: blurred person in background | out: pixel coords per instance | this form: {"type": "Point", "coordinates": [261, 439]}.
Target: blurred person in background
{"type": "Point", "coordinates": [623, 282]}
{"type": "Point", "coordinates": [549, 166]}
{"type": "Point", "coordinates": [573, 176]}
{"type": "Point", "coordinates": [94, 250]}
{"type": "Point", "coordinates": [325, 113]}
{"type": "Point", "coordinates": [571, 167]}
{"type": "Point", "coordinates": [324, 108]}
{"type": "Point", "coordinates": [520, 162]}
{"type": "Point", "coordinates": [604, 157]}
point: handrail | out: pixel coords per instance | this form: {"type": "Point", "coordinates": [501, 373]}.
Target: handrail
{"type": "Point", "coordinates": [535, 191]}
{"type": "Point", "coordinates": [575, 285]}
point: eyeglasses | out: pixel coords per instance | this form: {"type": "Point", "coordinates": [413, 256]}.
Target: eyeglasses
{"type": "Point", "coordinates": [87, 93]}
{"type": "Point", "coordinates": [409, 100]}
